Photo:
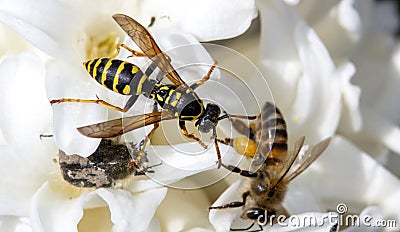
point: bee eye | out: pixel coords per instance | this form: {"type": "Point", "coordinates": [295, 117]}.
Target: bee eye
{"type": "Point", "coordinates": [256, 214]}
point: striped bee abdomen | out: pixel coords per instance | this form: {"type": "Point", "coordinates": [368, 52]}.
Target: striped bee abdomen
{"type": "Point", "coordinates": [271, 133]}
{"type": "Point", "coordinates": [117, 75]}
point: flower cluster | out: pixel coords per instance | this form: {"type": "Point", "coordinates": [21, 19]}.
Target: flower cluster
{"type": "Point", "coordinates": [331, 67]}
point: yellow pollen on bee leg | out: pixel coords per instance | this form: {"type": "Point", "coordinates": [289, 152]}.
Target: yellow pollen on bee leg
{"type": "Point", "coordinates": [244, 146]}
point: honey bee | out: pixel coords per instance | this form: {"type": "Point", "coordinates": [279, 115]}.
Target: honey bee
{"type": "Point", "coordinates": [107, 165]}
{"type": "Point", "coordinates": [272, 167]}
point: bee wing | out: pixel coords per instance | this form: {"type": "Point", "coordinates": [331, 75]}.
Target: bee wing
{"type": "Point", "coordinates": [120, 126]}
{"type": "Point", "coordinates": [141, 36]}
{"type": "Point", "coordinates": [304, 161]}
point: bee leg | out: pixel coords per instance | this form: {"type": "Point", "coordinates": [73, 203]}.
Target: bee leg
{"type": "Point", "coordinates": [248, 228]}
{"type": "Point", "coordinates": [134, 52]}
{"type": "Point", "coordinates": [241, 172]}
{"type": "Point", "coordinates": [97, 101]}
{"type": "Point", "coordinates": [205, 78]}
{"type": "Point", "coordinates": [234, 204]}
{"type": "Point", "coordinates": [190, 136]}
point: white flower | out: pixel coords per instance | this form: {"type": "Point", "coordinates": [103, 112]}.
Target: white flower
{"type": "Point", "coordinates": [31, 180]}
{"type": "Point", "coordinates": [310, 51]}
{"type": "Point", "coordinates": [361, 32]}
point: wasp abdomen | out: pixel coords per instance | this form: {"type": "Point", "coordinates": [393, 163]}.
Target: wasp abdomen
{"type": "Point", "coordinates": [118, 75]}
{"type": "Point", "coordinates": [272, 134]}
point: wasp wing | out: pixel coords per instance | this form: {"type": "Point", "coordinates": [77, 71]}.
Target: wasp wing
{"type": "Point", "coordinates": [304, 161]}
{"type": "Point", "coordinates": [141, 36]}
{"type": "Point", "coordinates": [120, 126]}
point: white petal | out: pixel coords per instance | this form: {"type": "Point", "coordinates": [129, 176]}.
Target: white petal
{"type": "Point", "coordinates": [30, 32]}
{"type": "Point", "coordinates": [132, 212]}
{"type": "Point", "coordinates": [351, 116]}
{"type": "Point", "coordinates": [223, 219]}
{"type": "Point", "coordinates": [66, 80]}
{"type": "Point", "coordinates": [21, 177]}
{"type": "Point", "coordinates": [206, 20]}
{"type": "Point", "coordinates": [378, 134]}
{"type": "Point", "coordinates": [26, 160]}
{"type": "Point", "coordinates": [317, 88]}
{"type": "Point", "coordinates": [173, 218]}
{"type": "Point", "coordinates": [187, 159]}
{"type": "Point", "coordinates": [53, 210]}
{"type": "Point", "coordinates": [297, 59]}
{"type": "Point", "coordinates": [12, 223]}
{"type": "Point", "coordinates": [356, 183]}
{"type": "Point", "coordinates": [24, 99]}
{"type": "Point", "coordinates": [38, 29]}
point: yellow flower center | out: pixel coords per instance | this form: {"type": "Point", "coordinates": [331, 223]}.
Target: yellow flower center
{"type": "Point", "coordinates": [102, 47]}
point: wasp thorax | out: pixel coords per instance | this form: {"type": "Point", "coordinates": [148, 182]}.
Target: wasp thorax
{"type": "Point", "coordinates": [209, 120]}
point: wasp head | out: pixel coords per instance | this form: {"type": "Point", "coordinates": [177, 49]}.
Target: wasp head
{"type": "Point", "coordinates": [209, 120]}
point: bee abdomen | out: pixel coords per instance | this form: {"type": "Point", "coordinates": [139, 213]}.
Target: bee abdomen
{"type": "Point", "coordinates": [117, 75]}
{"type": "Point", "coordinates": [272, 134]}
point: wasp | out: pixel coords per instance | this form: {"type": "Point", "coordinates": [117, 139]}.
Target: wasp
{"type": "Point", "coordinates": [103, 168]}
{"type": "Point", "coordinates": [272, 167]}
{"type": "Point", "coordinates": [178, 100]}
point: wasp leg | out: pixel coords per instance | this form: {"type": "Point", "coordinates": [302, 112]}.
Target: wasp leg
{"type": "Point", "coordinates": [130, 102]}
{"type": "Point", "coordinates": [205, 78]}
{"type": "Point", "coordinates": [45, 136]}
{"type": "Point", "coordinates": [218, 153]}
{"type": "Point", "coordinates": [134, 52]}
{"type": "Point", "coordinates": [152, 20]}
{"type": "Point", "coordinates": [226, 141]}
{"type": "Point", "coordinates": [145, 141]}
{"type": "Point", "coordinates": [97, 101]}
{"type": "Point", "coordinates": [241, 172]}
{"type": "Point", "coordinates": [190, 136]}
{"type": "Point", "coordinates": [243, 128]}
{"type": "Point", "coordinates": [247, 117]}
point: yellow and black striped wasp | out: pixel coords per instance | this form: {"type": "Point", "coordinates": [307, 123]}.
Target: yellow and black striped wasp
{"type": "Point", "coordinates": [178, 100]}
